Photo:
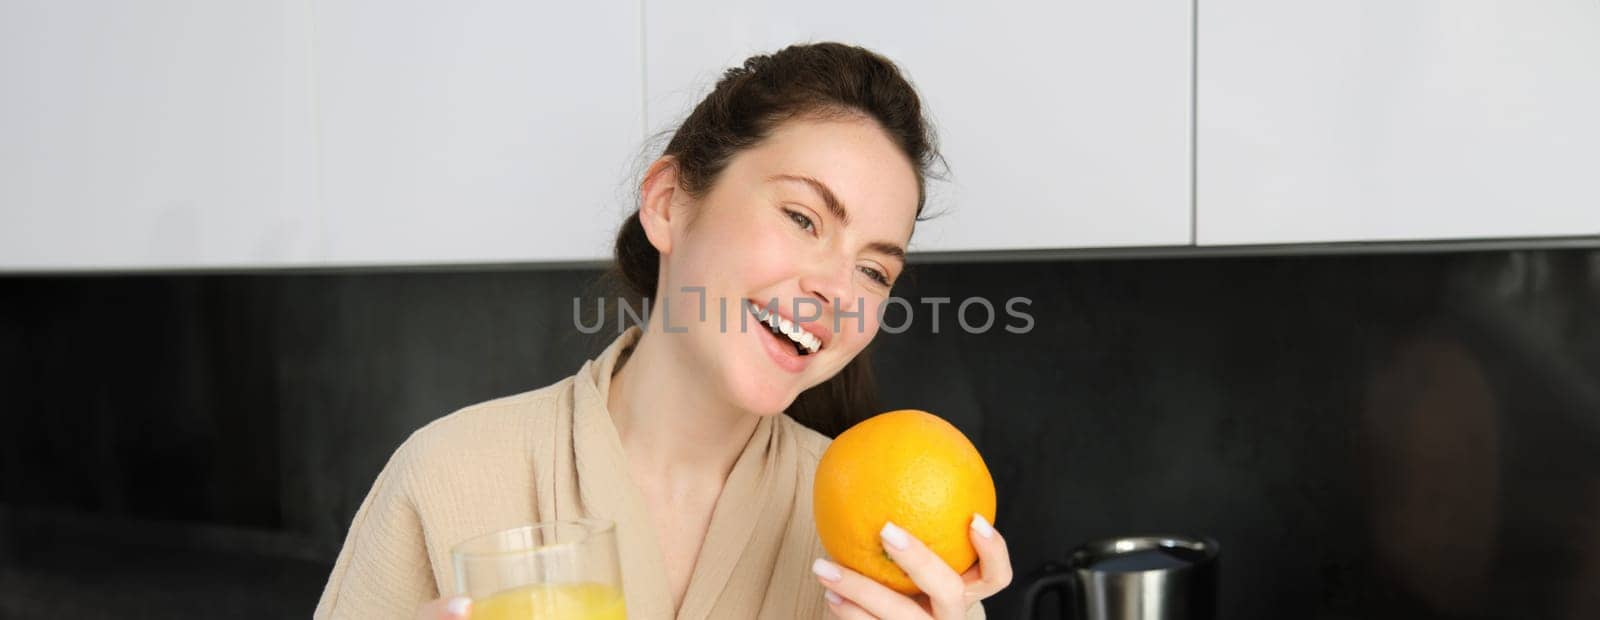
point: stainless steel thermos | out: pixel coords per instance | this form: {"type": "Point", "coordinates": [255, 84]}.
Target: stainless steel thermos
{"type": "Point", "coordinates": [1134, 578]}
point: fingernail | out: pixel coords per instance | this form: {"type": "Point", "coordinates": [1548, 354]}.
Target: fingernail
{"type": "Point", "coordinates": [826, 570]}
{"type": "Point", "coordinates": [833, 599]}
{"type": "Point", "coordinates": [895, 536]}
{"type": "Point", "coordinates": [457, 607]}
{"type": "Point", "coordinates": [982, 527]}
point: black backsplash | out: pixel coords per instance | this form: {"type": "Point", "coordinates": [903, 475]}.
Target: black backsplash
{"type": "Point", "coordinates": [1367, 436]}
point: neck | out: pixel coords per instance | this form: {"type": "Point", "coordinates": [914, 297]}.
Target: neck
{"type": "Point", "coordinates": [671, 430]}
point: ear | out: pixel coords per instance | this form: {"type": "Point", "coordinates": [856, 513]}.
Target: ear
{"type": "Point", "coordinates": [659, 204]}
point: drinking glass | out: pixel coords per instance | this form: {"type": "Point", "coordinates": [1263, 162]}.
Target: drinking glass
{"type": "Point", "coordinates": [556, 569]}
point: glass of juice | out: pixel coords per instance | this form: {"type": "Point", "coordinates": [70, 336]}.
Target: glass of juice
{"type": "Point", "coordinates": [555, 569]}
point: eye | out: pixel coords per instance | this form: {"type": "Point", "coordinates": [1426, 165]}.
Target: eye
{"type": "Point", "coordinates": [877, 276]}
{"type": "Point", "coordinates": [800, 219]}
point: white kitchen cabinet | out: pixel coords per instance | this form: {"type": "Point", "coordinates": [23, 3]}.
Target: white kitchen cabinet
{"type": "Point", "coordinates": [1384, 120]}
{"type": "Point", "coordinates": [464, 132]}
{"type": "Point", "coordinates": [155, 134]}
{"type": "Point", "coordinates": [1066, 124]}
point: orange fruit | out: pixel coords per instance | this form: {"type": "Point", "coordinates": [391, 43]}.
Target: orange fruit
{"type": "Point", "coordinates": [910, 467]}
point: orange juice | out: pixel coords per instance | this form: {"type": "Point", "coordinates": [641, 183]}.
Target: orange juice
{"type": "Point", "coordinates": [552, 601]}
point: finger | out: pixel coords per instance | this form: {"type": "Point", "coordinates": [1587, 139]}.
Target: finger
{"type": "Point", "coordinates": [874, 598]}
{"type": "Point", "coordinates": [455, 608]}
{"type": "Point", "coordinates": [945, 591]}
{"type": "Point", "coordinates": [993, 571]}
{"type": "Point", "coordinates": [841, 607]}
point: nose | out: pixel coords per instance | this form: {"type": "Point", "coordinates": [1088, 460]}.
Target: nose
{"type": "Point", "coordinates": [829, 280]}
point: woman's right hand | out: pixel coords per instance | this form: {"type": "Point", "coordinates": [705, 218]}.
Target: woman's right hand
{"type": "Point", "coordinates": [453, 608]}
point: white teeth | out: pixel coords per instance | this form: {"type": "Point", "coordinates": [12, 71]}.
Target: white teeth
{"type": "Point", "coordinates": [760, 313]}
{"type": "Point", "coordinates": [789, 328]}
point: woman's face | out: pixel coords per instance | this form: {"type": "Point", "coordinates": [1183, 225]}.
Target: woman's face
{"type": "Point", "coordinates": [813, 222]}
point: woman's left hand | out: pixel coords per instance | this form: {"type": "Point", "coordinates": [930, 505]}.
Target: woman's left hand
{"type": "Point", "coordinates": [945, 595]}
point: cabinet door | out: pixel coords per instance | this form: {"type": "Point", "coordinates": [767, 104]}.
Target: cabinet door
{"type": "Point", "coordinates": [1378, 120]}
{"type": "Point", "coordinates": [458, 132]}
{"type": "Point", "coordinates": [1065, 124]}
{"type": "Point", "coordinates": [155, 134]}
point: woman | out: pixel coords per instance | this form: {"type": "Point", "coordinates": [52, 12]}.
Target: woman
{"type": "Point", "coordinates": [793, 186]}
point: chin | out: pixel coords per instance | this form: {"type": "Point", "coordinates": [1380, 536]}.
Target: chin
{"type": "Point", "coordinates": [768, 403]}
{"type": "Point", "coordinates": [754, 396]}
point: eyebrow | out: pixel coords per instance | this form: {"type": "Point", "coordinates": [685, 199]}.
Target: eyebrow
{"type": "Point", "coordinates": [837, 208]}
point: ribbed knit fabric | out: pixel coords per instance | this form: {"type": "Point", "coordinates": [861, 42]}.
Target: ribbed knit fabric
{"type": "Point", "coordinates": [553, 453]}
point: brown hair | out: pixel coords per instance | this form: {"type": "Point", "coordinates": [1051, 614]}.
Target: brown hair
{"type": "Point", "coordinates": [747, 105]}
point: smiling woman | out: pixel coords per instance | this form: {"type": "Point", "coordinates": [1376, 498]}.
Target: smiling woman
{"type": "Point", "coordinates": [789, 194]}
{"type": "Point", "coordinates": [809, 134]}
{"type": "Point", "coordinates": [758, 234]}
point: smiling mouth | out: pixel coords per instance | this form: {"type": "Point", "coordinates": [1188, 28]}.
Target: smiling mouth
{"type": "Point", "coordinates": [805, 343]}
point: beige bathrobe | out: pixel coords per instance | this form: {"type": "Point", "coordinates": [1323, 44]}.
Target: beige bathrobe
{"type": "Point", "coordinates": [553, 454]}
